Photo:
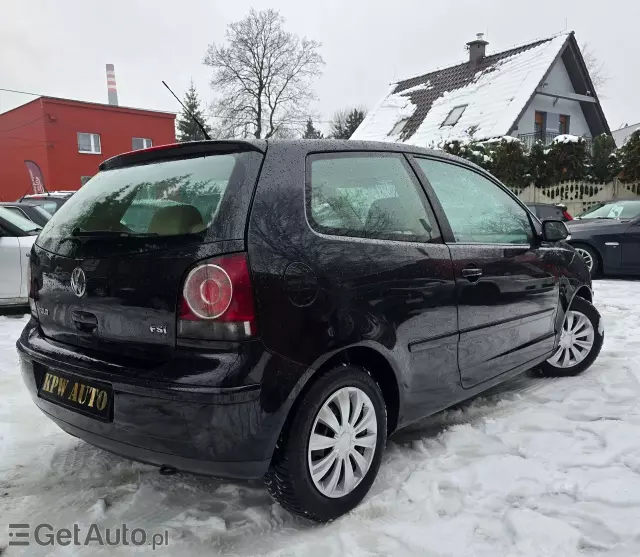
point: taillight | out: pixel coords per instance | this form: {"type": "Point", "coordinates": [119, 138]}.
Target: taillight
{"type": "Point", "coordinates": [217, 300]}
{"type": "Point", "coordinates": [566, 215]}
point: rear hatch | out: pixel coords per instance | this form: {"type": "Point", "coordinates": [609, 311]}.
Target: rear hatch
{"type": "Point", "coordinates": [109, 266]}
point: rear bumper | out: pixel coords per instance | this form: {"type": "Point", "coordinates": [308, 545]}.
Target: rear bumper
{"type": "Point", "coordinates": [205, 429]}
{"type": "Point", "coordinates": [236, 470]}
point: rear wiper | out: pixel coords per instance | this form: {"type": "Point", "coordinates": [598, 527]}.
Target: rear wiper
{"type": "Point", "coordinates": [80, 232]}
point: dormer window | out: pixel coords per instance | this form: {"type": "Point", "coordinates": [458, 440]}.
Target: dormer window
{"type": "Point", "coordinates": [399, 127]}
{"type": "Point", "coordinates": [454, 115]}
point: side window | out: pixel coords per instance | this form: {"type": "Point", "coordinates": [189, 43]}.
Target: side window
{"type": "Point", "coordinates": [478, 210]}
{"type": "Point", "coordinates": [367, 195]}
{"type": "Point", "coordinates": [17, 212]}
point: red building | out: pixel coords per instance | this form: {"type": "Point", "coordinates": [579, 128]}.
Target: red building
{"type": "Point", "coordinates": [68, 140]}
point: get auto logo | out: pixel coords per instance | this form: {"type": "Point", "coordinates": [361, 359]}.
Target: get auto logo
{"type": "Point", "coordinates": [47, 535]}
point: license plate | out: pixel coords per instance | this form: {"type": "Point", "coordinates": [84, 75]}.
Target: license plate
{"type": "Point", "coordinates": [92, 398]}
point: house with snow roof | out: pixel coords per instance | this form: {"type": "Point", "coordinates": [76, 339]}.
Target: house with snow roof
{"type": "Point", "coordinates": [535, 91]}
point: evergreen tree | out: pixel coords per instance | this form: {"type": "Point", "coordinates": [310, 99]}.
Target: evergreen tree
{"type": "Point", "coordinates": [604, 166]}
{"type": "Point", "coordinates": [537, 169]}
{"type": "Point", "coordinates": [509, 163]}
{"type": "Point", "coordinates": [630, 158]}
{"type": "Point", "coordinates": [569, 160]}
{"type": "Point", "coordinates": [311, 132]}
{"type": "Point", "coordinates": [188, 130]}
{"type": "Point", "coordinates": [345, 122]}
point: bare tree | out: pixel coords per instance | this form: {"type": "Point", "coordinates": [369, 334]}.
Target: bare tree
{"type": "Point", "coordinates": [595, 67]}
{"type": "Point", "coordinates": [262, 77]}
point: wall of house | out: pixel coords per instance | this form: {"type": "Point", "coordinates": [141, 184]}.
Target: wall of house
{"type": "Point", "coordinates": [558, 80]}
{"type": "Point", "coordinates": [622, 135]}
{"type": "Point", "coordinates": [117, 126]}
{"type": "Point", "coordinates": [22, 137]}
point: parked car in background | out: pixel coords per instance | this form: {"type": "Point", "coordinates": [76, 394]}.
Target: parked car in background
{"type": "Point", "coordinates": [545, 211]}
{"type": "Point", "coordinates": [51, 201]}
{"type": "Point", "coordinates": [225, 308]}
{"type": "Point", "coordinates": [17, 234]}
{"type": "Point", "coordinates": [32, 211]}
{"type": "Point", "coordinates": [607, 236]}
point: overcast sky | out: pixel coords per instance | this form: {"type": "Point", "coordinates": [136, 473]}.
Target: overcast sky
{"type": "Point", "coordinates": [60, 48]}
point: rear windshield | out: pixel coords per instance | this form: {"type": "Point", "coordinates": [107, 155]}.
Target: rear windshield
{"type": "Point", "coordinates": [19, 221]}
{"type": "Point", "coordinates": [194, 197]}
{"type": "Point", "coordinates": [613, 210]}
{"type": "Point", "coordinates": [48, 205]}
{"type": "Point", "coordinates": [43, 212]}
{"type": "Point", "coordinates": [549, 212]}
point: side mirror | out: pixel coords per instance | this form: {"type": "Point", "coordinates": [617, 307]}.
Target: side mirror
{"type": "Point", "coordinates": [554, 231]}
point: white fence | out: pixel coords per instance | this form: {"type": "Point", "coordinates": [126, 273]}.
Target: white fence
{"type": "Point", "coordinates": [578, 196]}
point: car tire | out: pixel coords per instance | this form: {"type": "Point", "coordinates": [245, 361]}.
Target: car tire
{"type": "Point", "coordinates": [289, 479]}
{"type": "Point", "coordinates": [585, 321]}
{"type": "Point", "coordinates": [590, 257]}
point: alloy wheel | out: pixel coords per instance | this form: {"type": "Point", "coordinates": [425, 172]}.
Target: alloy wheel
{"type": "Point", "coordinates": [586, 256]}
{"type": "Point", "coordinates": [343, 442]}
{"type": "Point", "coordinates": [576, 340]}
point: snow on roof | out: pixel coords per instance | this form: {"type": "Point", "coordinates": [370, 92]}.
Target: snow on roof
{"type": "Point", "coordinates": [623, 134]}
{"type": "Point", "coordinates": [493, 94]}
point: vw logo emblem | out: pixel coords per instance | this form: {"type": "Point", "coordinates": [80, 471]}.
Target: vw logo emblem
{"type": "Point", "coordinates": [78, 282]}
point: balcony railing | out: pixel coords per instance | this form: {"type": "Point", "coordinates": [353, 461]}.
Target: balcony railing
{"type": "Point", "coordinates": [528, 139]}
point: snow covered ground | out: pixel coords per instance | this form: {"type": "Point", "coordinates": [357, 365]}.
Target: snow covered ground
{"type": "Point", "coordinates": [540, 468]}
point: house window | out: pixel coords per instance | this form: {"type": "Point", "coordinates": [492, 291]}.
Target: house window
{"type": "Point", "coordinates": [89, 143]}
{"type": "Point", "coordinates": [454, 116]}
{"type": "Point", "coordinates": [540, 124]}
{"type": "Point", "coordinates": [564, 124]}
{"type": "Point", "coordinates": [399, 127]}
{"type": "Point", "coordinates": [141, 143]}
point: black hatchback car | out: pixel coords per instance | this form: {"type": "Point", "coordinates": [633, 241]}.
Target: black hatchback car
{"type": "Point", "coordinates": [288, 305]}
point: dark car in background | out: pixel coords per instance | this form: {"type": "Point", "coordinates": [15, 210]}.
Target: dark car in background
{"type": "Point", "coordinates": [28, 209]}
{"type": "Point", "coordinates": [51, 201]}
{"type": "Point", "coordinates": [607, 236]}
{"type": "Point", "coordinates": [275, 309]}
{"type": "Point", "coordinates": [545, 211]}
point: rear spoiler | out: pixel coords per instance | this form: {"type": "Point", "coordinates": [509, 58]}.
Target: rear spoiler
{"type": "Point", "coordinates": [188, 149]}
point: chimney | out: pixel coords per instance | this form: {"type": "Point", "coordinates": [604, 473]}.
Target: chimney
{"type": "Point", "coordinates": [476, 49]}
{"type": "Point", "coordinates": [111, 85]}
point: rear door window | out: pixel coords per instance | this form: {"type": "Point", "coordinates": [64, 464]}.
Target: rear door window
{"type": "Point", "coordinates": [169, 198]}
{"type": "Point", "coordinates": [367, 195]}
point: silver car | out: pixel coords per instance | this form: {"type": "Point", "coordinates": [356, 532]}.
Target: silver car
{"type": "Point", "coordinates": [17, 235]}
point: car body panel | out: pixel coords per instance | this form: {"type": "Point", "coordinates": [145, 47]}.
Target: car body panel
{"type": "Point", "coordinates": [15, 246]}
{"type": "Point", "coordinates": [507, 315]}
{"type": "Point", "coordinates": [615, 241]}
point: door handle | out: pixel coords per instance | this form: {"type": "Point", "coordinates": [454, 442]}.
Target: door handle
{"type": "Point", "coordinates": [472, 274]}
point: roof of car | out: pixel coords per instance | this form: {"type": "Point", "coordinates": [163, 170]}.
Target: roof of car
{"type": "Point", "coordinates": [310, 145]}
{"type": "Point", "coordinates": [49, 195]}
{"type": "Point", "coordinates": [15, 203]}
